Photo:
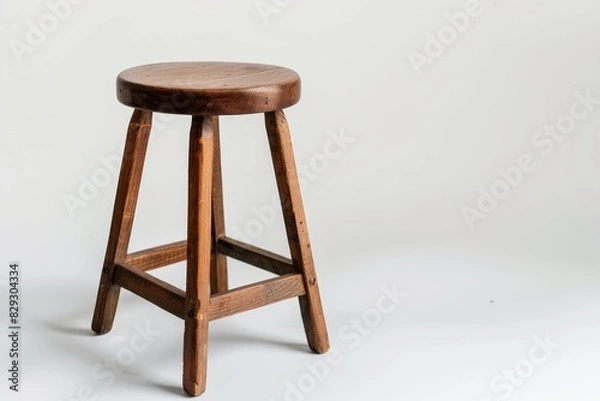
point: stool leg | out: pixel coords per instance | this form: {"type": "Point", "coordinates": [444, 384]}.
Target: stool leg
{"type": "Point", "coordinates": [297, 233]}
{"type": "Point", "coordinates": [122, 220]}
{"type": "Point", "coordinates": [201, 163]}
{"type": "Point", "coordinates": [218, 261]}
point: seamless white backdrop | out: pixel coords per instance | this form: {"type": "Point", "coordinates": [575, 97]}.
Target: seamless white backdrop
{"type": "Point", "coordinates": [421, 144]}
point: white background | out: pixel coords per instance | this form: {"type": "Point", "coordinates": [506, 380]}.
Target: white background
{"type": "Point", "coordinates": [388, 210]}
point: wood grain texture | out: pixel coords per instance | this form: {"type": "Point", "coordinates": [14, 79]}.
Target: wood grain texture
{"type": "Point", "coordinates": [256, 295]}
{"type": "Point", "coordinates": [297, 232]}
{"type": "Point", "coordinates": [218, 261]}
{"type": "Point", "coordinates": [159, 256]}
{"type": "Point", "coordinates": [122, 221]}
{"type": "Point", "coordinates": [209, 88]}
{"type": "Point", "coordinates": [255, 256]}
{"type": "Point", "coordinates": [195, 348]}
{"type": "Point", "coordinates": [155, 290]}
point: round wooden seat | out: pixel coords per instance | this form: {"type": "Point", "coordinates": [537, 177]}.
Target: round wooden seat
{"type": "Point", "coordinates": [208, 88]}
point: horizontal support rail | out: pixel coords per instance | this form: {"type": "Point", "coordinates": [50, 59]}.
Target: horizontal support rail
{"type": "Point", "coordinates": [159, 256]}
{"type": "Point", "coordinates": [157, 291]}
{"type": "Point", "coordinates": [255, 256]}
{"type": "Point", "coordinates": [176, 252]}
{"type": "Point", "coordinates": [255, 295]}
{"type": "Point", "coordinates": [172, 299]}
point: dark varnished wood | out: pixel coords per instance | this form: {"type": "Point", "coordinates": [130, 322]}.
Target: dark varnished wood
{"type": "Point", "coordinates": [128, 187]}
{"type": "Point", "coordinates": [200, 175]}
{"type": "Point", "coordinates": [255, 256]}
{"type": "Point", "coordinates": [159, 256]}
{"type": "Point", "coordinates": [295, 223]}
{"type": "Point", "coordinates": [159, 292]}
{"type": "Point", "coordinates": [223, 304]}
{"type": "Point", "coordinates": [218, 261]}
{"type": "Point", "coordinates": [209, 88]}
{"type": "Point", "coordinates": [164, 255]}
{"type": "Point", "coordinates": [254, 296]}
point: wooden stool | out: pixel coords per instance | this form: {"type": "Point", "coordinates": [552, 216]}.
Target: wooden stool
{"type": "Point", "coordinates": [205, 91]}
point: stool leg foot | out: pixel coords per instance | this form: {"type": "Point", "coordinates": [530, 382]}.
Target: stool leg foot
{"type": "Point", "coordinates": [297, 233]}
{"type": "Point", "coordinates": [218, 261]}
{"type": "Point", "coordinates": [122, 221]}
{"type": "Point", "coordinates": [201, 164]}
